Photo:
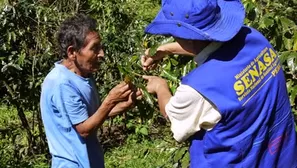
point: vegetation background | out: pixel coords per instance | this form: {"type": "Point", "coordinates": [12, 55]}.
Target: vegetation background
{"type": "Point", "coordinates": [140, 137]}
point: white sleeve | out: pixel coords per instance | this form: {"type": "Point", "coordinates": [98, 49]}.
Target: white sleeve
{"type": "Point", "coordinates": [188, 112]}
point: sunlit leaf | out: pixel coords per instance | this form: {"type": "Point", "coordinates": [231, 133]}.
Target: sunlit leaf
{"type": "Point", "coordinates": [292, 62]}
{"type": "Point", "coordinates": [174, 62]}
{"type": "Point", "coordinates": [179, 154]}
{"type": "Point", "coordinates": [143, 131]}
{"type": "Point", "coordinates": [153, 50]}
{"type": "Point", "coordinates": [5, 67]}
{"type": "Point", "coordinates": [168, 75]}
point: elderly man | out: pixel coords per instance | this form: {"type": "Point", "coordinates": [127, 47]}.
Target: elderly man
{"type": "Point", "coordinates": [70, 105]}
{"type": "Point", "coordinates": [234, 107]}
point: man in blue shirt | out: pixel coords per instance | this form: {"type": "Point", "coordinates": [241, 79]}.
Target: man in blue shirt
{"type": "Point", "coordinates": [70, 105]}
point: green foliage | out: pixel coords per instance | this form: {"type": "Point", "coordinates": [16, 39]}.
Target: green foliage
{"type": "Point", "coordinates": [14, 144]}
{"type": "Point", "coordinates": [156, 153]}
{"type": "Point", "coordinates": [277, 21]}
{"type": "Point", "coordinates": [121, 27]}
{"type": "Point", "coordinates": [27, 54]}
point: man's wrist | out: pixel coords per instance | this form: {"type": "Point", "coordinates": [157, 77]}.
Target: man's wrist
{"type": "Point", "coordinates": [109, 103]}
{"type": "Point", "coordinates": [162, 52]}
{"type": "Point", "coordinates": [168, 48]}
{"type": "Point", "coordinates": [162, 88]}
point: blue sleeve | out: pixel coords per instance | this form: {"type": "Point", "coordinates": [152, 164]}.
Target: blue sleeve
{"type": "Point", "coordinates": [68, 102]}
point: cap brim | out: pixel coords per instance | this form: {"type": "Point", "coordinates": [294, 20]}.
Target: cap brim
{"type": "Point", "coordinates": [225, 28]}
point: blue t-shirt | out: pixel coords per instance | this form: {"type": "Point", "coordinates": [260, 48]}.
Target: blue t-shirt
{"type": "Point", "coordinates": [66, 100]}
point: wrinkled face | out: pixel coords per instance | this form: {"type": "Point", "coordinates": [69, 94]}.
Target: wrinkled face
{"type": "Point", "coordinates": [90, 55]}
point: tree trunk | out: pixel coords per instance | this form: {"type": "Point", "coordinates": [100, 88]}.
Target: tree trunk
{"type": "Point", "coordinates": [43, 145]}
{"type": "Point", "coordinates": [25, 124]}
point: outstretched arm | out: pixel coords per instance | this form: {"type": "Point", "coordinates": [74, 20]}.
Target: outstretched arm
{"type": "Point", "coordinates": [158, 86]}
{"type": "Point", "coordinates": [180, 47]}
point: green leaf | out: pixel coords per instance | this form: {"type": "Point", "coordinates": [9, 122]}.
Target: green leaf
{"type": "Point", "coordinates": [167, 40]}
{"type": "Point", "coordinates": [179, 154]}
{"type": "Point", "coordinates": [288, 43]}
{"type": "Point", "coordinates": [169, 76]}
{"type": "Point", "coordinates": [148, 97]}
{"type": "Point", "coordinates": [21, 59]}
{"type": "Point", "coordinates": [130, 125]}
{"type": "Point", "coordinates": [143, 131]}
{"type": "Point", "coordinates": [292, 90]}
{"type": "Point", "coordinates": [266, 22]}
{"type": "Point", "coordinates": [5, 67]}
{"type": "Point", "coordinates": [153, 50]}
{"type": "Point", "coordinates": [122, 70]}
{"type": "Point", "coordinates": [295, 42]}
{"type": "Point", "coordinates": [293, 96]}
{"type": "Point", "coordinates": [167, 66]}
{"type": "Point", "coordinates": [134, 59]}
{"type": "Point", "coordinates": [284, 56]}
{"type": "Point", "coordinates": [174, 62]}
{"type": "Point", "coordinates": [186, 160]}
{"type": "Point", "coordinates": [286, 23]}
{"type": "Point", "coordinates": [292, 62]}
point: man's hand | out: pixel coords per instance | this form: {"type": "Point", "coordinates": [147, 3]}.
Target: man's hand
{"type": "Point", "coordinates": [149, 62]}
{"type": "Point", "coordinates": [181, 47]}
{"type": "Point", "coordinates": [125, 105]}
{"type": "Point", "coordinates": [155, 84]}
{"type": "Point", "coordinates": [118, 93]}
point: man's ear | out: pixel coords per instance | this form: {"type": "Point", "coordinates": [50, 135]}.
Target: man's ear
{"type": "Point", "coordinates": [71, 53]}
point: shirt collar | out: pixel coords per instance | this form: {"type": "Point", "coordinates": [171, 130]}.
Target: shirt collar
{"type": "Point", "coordinates": [60, 66]}
{"type": "Point", "coordinates": [205, 53]}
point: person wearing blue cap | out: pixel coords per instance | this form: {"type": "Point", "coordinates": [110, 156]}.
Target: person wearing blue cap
{"type": "Point", "coordinates": [70, 105]}
{"type": "Point", "coordinates": [233, 107]}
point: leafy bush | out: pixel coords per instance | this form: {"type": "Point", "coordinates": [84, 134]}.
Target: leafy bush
{"type": "Point", "coordinates": [277, 21]}
{"type": "Point", "coordinates": [27, 54]}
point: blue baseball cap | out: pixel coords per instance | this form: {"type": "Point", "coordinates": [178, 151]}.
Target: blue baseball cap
{"type": "Point", "coordinates": [211, 20]}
